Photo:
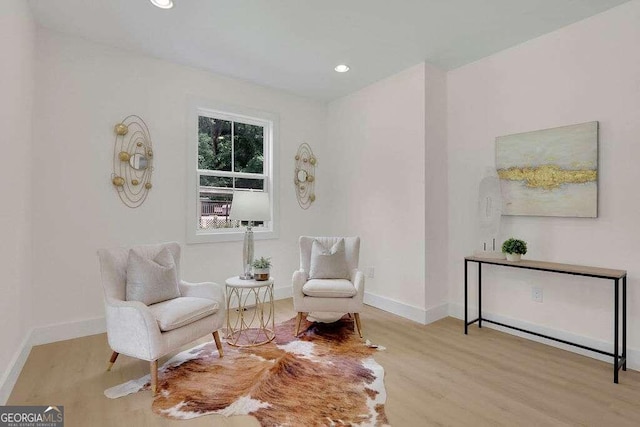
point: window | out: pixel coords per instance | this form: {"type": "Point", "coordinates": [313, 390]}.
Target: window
{"type": "Point", "coordinates": [232, 149]}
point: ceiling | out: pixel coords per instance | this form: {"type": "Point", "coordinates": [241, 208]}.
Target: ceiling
{"type": "Point", "coordinates": [295, 44]}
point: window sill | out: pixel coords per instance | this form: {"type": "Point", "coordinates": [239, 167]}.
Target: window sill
{"type": "Point", "coordinates": [234, 236]}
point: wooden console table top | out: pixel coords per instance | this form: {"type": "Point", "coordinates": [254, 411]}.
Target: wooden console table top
{"type": "Point", "coordinates": [580, 270]}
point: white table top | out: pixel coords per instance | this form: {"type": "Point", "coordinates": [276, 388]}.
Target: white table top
{"type": "Point", "coordinates": [236, 282]}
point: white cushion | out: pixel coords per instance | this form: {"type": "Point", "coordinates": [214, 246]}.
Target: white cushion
{"type": "Point", "coordinates": [181, 311]}
{"type": "Point", "coordinates": [151, 280]}
{"type": "Point", "coordinates": [329, 288]}
{"type": "Point", "coordinates": [328, 263]}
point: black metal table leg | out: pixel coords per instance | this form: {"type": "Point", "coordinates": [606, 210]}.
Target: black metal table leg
{"type": "Point", "coordinates": [466, 320]}
{"type": "Point", "coordinates": [479, 295]}
{"type": "Point", "coordinates": [624, 323]}
{"type": "Point", "coordinates": [615, 330]}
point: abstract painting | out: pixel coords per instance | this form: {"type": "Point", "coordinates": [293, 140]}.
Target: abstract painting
{"type": "Point", "coordinates": [550, 172]}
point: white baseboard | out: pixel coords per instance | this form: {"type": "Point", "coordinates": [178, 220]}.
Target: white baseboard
{"type": "Point", "coordinates": [46, 335]}
{"type": "Point", "coordinates": [633, 355]}
{"type": "Point", "coordinates": [283, 293]}
{"type": "Point", "coordinates": [10, 377]}
{"type": "Point", "coordinates": [407, 311]}
{"type": "Point", "coordinates": [67, 331]}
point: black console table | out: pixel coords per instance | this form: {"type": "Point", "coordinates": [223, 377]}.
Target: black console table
{"type": "Point", "coordinates": [617, 276]}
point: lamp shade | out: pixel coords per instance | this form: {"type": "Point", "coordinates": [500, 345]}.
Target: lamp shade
{"type": "Point", "coordinates": [250, 206]}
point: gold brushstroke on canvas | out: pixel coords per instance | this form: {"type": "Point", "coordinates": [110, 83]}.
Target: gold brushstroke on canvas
{"type": "Point", "coordinates": [548, 177]}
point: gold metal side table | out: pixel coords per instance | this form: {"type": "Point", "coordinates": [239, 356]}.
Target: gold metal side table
{"type": "Point", "coordinates": [254, 323]}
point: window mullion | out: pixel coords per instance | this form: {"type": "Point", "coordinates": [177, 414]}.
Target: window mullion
{"type": "Point", "coordinates": [205, 172]}
{"type": "Point", "coordinates": [233, 146]}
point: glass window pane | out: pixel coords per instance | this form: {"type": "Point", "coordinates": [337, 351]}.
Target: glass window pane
{"type": "Point", "coordinates": [214, 144]}
{"type": "Point", "coordinates": [215, 208]}
{"type": "Point", "coordinates": [216, 181]}
{"type": "Point", "coordinates": [248, 148]}
{"type": "Point", "coordinates": [254, 184]}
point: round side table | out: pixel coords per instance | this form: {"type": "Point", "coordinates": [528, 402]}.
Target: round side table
{"type": "Point", "coordinates": [254, 323]}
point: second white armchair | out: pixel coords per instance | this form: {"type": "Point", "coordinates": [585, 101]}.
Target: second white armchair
{"type": "Point", "coordinates": [328, 286]}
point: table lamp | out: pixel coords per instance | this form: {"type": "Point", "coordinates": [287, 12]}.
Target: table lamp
{"type": "Point", "coordinates": [249, 206]}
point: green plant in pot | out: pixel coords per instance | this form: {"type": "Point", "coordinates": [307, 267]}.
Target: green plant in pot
{"type": "Point", "coordinates": [261, 268]}
{"type": "Point", "coordinates": [514, 248]}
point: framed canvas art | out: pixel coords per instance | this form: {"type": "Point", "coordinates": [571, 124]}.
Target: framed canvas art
{"type": "Point", "coordinates": [550, 172]}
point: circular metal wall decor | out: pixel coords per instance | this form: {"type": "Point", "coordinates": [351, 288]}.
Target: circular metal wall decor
{"type": "Point", "coordinates": [132, 161]}
{"type": "Point", "coordinates": [304, 176]}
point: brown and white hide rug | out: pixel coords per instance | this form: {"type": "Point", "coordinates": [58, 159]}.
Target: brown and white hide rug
{"type": "Point", "coordinates": [325, 377]}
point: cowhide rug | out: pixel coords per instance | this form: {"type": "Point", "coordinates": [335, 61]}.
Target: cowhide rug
{"type": "Point", "coordinates": [325, 377]}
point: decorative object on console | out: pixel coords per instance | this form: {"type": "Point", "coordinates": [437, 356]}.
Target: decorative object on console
{"type": "Point", "coordinates": [261, 268]}
{"type": "Point", "coordinates": [514, 248]}
{"type": "Point", "coordinates": [132, 161]}
{"type": "Point", "coordinates": [250, 206]}
{"type": "Point", "coordinates": [489, 215]}
{"type": "Point", "coordinates": [551, 172]}
{"type": "Point", "coordinates": [304, 176]}
{"type": "Point", "coordinates": [272, 382]}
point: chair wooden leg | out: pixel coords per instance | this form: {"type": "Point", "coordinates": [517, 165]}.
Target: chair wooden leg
{"type": "Point", "coordinates": [358, 324]}
{"type": "Point", "coordinates": [114, 356]}
{"type": "Point", "coordinates": [298, 321]}
{"type": "Point", "coordinates": [154, 377]}
{"type": "Point", "coordinates": [216, 338]}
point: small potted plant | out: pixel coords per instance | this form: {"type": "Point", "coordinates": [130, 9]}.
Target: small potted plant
{"type": "Point", "coordinates": [261, 268]}
{"type": "Point", "coordinates": [514, 248]}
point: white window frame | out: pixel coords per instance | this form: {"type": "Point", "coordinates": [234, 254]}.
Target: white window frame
{"type": "Point", "coordinates": [199, 107]}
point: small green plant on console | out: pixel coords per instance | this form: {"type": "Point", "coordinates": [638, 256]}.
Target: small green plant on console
{"type": "Point", "coordinates": [514, 248]}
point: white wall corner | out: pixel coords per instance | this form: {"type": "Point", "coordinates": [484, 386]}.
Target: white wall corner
{"type": "Point", "coordinates": [633, 355]}
{"type": "Point", "coordinates": [436, 313]}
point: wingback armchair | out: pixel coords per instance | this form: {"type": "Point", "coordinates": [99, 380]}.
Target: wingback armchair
{"type": "Point", "coordinates": [342, 295]}
{"type": "Point", "coordinates": [150, 332]}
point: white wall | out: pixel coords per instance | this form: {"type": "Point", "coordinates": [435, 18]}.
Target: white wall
{"type": "Point", "coordinates": [17, 39]}
{"type": "Point", "coordinates": [587, 71]}
{"type": "Point", "coordinates": [376, 149]}
{"type": "Point", "coordinates": [83, 89]}
{"type": "Point", "coordinates": [436, 194]}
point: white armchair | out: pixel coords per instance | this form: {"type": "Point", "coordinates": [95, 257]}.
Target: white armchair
{"type": "Point", "coordinates": [150, 332]}
{"type": "Point", "coordinates": [328, 295]}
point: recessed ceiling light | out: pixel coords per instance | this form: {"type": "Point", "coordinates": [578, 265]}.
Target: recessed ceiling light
{"type": "Point", "coordinates": [342, 68]}
{"type": "Point", "coordinates": [162, 4]}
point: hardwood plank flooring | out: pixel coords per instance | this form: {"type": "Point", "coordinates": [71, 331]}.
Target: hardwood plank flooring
{"type": "Point", "coordinates": [435, 375]}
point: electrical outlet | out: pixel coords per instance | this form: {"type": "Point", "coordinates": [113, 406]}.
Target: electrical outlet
{"type": "Point", "coordinates": [536, 294]}
{"type": "Point", "coordinates": [371, 272]}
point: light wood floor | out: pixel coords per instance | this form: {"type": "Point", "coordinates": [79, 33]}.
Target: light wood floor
{"type": "Point", "coordinates": [435, 375]}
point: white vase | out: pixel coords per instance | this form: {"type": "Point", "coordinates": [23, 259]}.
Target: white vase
{"type": "Point", "coordinates": [513, 257]}
{"type": "Point", "coordinates": [261, 274]}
